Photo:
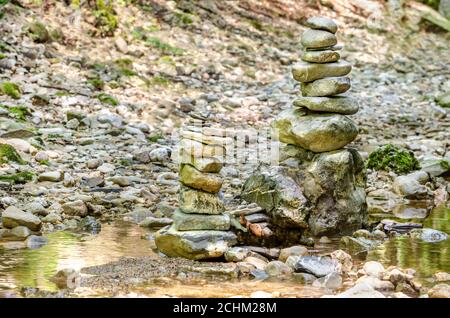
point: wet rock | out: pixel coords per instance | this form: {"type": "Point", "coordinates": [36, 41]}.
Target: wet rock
{"type": "Point", "coordinates": [21, 232]}
{"type": "Point", "coordinates": [304, 278]}
{"type": "Point", "coordinates": [439, 291]}
{"type": "Point", "coordinates": [52, 176]}
{"type": "Point", "coordinates": [277, 269]}
{"type": "Point", "coordinates": [34, 241]}
{"type": "Point", "coordinates": [318, 132]}
{"type": "Point", "coordinates": [361, 290]}
{"type": "Point", "coordinates": [308, 72]}
{"type": "Point", "coordinates": [331, 281]}
{"type": "Point", "coordinates": [318, 266]}
{"type": "Point", "coordinates": [12, 217]}
{"type": "Point", "coordinates": [236, 254]}
{"type": "Point", "coordinates": [359, 244]}
{"type": "Point", "coordinates": [187, 221]}
{"type": "Point", "coordinates": [194, 201]}
{"type": "Point", "coordinates": [75, 208]}
{"type": "Point", "coordinates": [258, 263]}
{"type": "Point", "coordinates": [429, 235]}
{"type": "Point", "coordinates": [344, 259]}
{"type": "Point", "coordinates": [196, 179]}
{"type": "Point", "coordinates": [411, 185]}
{"type": "Point", "coordinates": [297, 250]}
{"type": "Point", "coordinates": [326, 87]}
{"type": "Point", "coordinates": [315, 39]}
{"type": "Point", "coordinates": [90, 224]}
{"type": "Point", "coordinates": [194, 244]}
{"type": "Point", "coordinates": [67, 278]}
{"type": "Point", "coordinates": [322, 23]}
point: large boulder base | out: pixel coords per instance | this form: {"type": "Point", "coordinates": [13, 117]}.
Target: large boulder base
{"type": "Point", "coordinates": [195, 245]}
{"type": "Point", "coordinates": [322, 193]}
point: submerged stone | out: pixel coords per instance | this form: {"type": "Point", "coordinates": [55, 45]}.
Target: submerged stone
{"type": "Point", "coordinates": [194, 245]}
{"type": "Point", "coordinates": [336, 104]}
{"type": "Point", "coordinates": [318, 132]}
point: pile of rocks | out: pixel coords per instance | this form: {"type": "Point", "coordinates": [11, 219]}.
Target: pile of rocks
{"type": "Point", "coordinates": [318, 186]}
{"type": "Point", "coordinates": [318, 122]}
{"type": "Point", "coordinates": [200, 229]}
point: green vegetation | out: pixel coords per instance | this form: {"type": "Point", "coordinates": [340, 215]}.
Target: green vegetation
{"type": "Point", "coordinates": [154, 138]}
{"type": "Point", "coordinates": [38, 32]}
{"type": "Point", "coordinates": [125, 67]}
{"type": "Point", "coordinates": [8, 154]}
{"type": "Point", "coordinates": [18, 178]}
{"type": "Point", "coordinates": [97, 83]}
{"type": "Point", "coordinates": [19, 112]}
{"type": "Point", "coordinates": [158, 80]}
{"type": "Point", "coordinates": [164, 47]}
{"type": "Point", "coordinates": [393, 158]}
{"type": "Point", "coordinates": [2, 56]}
{"type": "Point", "coordinates": [432, 3]}
{"type": "Point", "coordinates": [106, 20]}
{"type": "Point", "coordinates": [107, 99]}
{"type": "Point", "coordinates": [11, 89]}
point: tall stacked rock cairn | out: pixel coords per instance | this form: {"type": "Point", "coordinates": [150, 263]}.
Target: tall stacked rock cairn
{"type": "Point", "coordinates": [200, 229]}
{"type": "Point", "coordinates": [319, 187]}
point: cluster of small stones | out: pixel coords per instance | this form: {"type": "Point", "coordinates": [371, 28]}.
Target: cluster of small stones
{"type": "Point", "coordinates": [200, 229]}
{"type": "Point", "coordinates": [318, 121]}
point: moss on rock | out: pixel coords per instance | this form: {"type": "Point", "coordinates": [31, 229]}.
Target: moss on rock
{"type": "Point", "coordinates": [8, 153]}
{"type": "Point", "coordinates": [393, 158]}
{"type": "Point", "coordinates": [18, 178]}
{"type": "Point", "coordinates": [38, 32]}
{"type": "Point", "coordinates": [11, 89]}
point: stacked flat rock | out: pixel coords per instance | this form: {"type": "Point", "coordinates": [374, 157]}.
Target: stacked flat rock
{"type": "Point", "coordinates": [318, 121]}
{"type": "Point", "coordinates": [200, 229]}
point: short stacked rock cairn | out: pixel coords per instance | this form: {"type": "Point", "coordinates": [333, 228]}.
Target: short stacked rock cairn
{"type": "Point", "coordinates": [318, 188]}
{"type": "Point", "coordinates": [200, 229]}
{"type": "Point", "coordinates": [318, 122]}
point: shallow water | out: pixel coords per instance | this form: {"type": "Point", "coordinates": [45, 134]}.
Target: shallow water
{"type": "Point", "coordinates": [33, 268]}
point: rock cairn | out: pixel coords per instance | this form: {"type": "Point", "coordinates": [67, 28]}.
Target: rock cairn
{"type": "Point", "coordinates": [200, 229]}
{"type": "Point", "coordinates": [318, 122]}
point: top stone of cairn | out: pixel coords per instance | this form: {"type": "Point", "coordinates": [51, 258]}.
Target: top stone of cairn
{"type": "Point", "coordinates": [322, 23]}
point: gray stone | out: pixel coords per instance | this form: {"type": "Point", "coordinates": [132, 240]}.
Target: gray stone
{"type": "Point", "coordinates": [13, 217]}
{"type": "Point", "coordinates": [90, 224]}
{"type": "Point", "coordinates": [318, 266]}
{"type": "Point", "coordinates": [208, 182]}
{"type": "Point", "coordinates": [277, 269]}
{"type": "Point", "coordinates": [316, 39]}
{"type": "Point", "coordinates": [435, 166]}
{"type": "Point", "coordinates": [304, 278]}
{"type": "Point", "coordinates": [325, 193]}
{"type": "Point", "coordinates": [429, 235]}
{"type": "Point", "coordinates": [318, 132]}
{"type": "Point", "coordinates": [188, 222]}
{"type": "Point", "coordinates": [297, 250]}
{"type": "Point", "coordinates": [153, 222]}
{"type": "Point", "coordinates": [308, 72]}
{"type": "Point", "coordinates": [52, 176]}
{"type": "Point", "coordinates": [195, 201]}
{"type": "Point", "coordinates": [236, 254]}
{"type": "Point", "coordinates": [409, 186]}
{"type": "Point", "coordinates": [376, 283]}
{"type": "Point", "coordinates": [75, 208]}
{"type": "Point", "coordinates": [322, 23]}
{"type": "Point", "coordinates": [325, 56]}
{"type": "Point", "coordinates": [337, 104]}
{"type": "Point", "coordinates": [326, 87]}
{"type": "Point", "coordinates": [194, 245]}
{"type": "Point", "coordinates": [21, 232]}
{"type": "Point", "coordinates": [34, 241]}
{"type": "Point", "coordinates": [361, 290]}
{"type": "Point", "coordinates": [331, 281]}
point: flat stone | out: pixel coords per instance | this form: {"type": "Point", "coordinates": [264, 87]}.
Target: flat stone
{"type": "Point", "coordinates": [318, 39]}
{"type": "Point", "coordinates": [189, 222]}
{"type": "Point", "coordinates": [326, 87]}
{"type": "Point", "coordinates": [325, 56]}
{"type": "Point", "coordinates": [13, 217]}
{"type": "Point", "coordinates": [236, 254]}
{"type": "Point", "coordinates": [152, 222]}
{"type": "Point", "coordinates": [322, 23]}
{"type": "Point", "coordinates": [52, 176]}
{"type": "Point", "coordinates": [199, 202]}
{"type": "Point", "coordinates": [196, 179]}
{"type": "Point", "coordinates": [21, 232]}
{"type": "Point", "coordinates": [318, 132]}
{"type": "Point", "coordinates": [194, 245]}
{"type": "Point", "coordinates": [308, 72]}
{"type": "Point", "coordinates": [198, 149]}
{"type": "Point", "coordinates": [206, 139]}
{"type": "Point", "coordinates": [77, 207]}
{"type": "Point", "coordinates": [318, 266]}
{"type": "Point", "coordinates": [203, 164]}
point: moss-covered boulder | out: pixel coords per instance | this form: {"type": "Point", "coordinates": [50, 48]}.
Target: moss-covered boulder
{"type": "Point", "coordinates": [8, 154]}
{"type": "Point", "coordinates": [393, 158]}
{"type": "Point", "coordinates": [38, 32]}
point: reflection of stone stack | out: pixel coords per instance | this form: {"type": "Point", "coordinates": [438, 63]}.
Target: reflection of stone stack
{"type": "Point", "coordinates": [318, 122]}
{"type": "Point", "coordinates": [200, 229]}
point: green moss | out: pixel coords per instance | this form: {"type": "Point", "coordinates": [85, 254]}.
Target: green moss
{"type": "Point", "coordinates": [393, 158]}
{"type": "Point", "coordinates": [158, 80]}
{"type": "Point", "coordinates": [107, 99]}
{"type": "Point", "coordinates": [444, 164]}
{"type": "Point", "coordinates": [18, 112]}
{"type": "Point", "coordinates": [2, 56]}
{"type": "Point", "coordinates": [154, 138]}
{"type": "Point", "coordinates": [18, 178]}
{"type": "Point", "coordinates": [183, 19]}
{"type": "Point", "coordinates": [97, 83]}
{"type": "Point", "coordinates": [125, 67]}
{"type": "Point", "coordinates": [164, 47]}
{"type": "Point", "coordinates": [106, 20]}
{"type": "Point", "coordinates": [10, 89]}
{"type": "Point", "coordinates": [8, 154]}
{"type": "Point", "coordinates": [38, 32]}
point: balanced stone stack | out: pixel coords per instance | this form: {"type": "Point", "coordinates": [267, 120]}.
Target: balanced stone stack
{"type": "Point", "coordinates": [318, 122]}
{"type": "Point", "coordinates": [200, 229]}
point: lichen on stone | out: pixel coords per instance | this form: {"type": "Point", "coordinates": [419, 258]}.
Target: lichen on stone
{"type": "Point", "coordinates": [8, 154]}
{"type": "Point", "coordinates": [393, 158]}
